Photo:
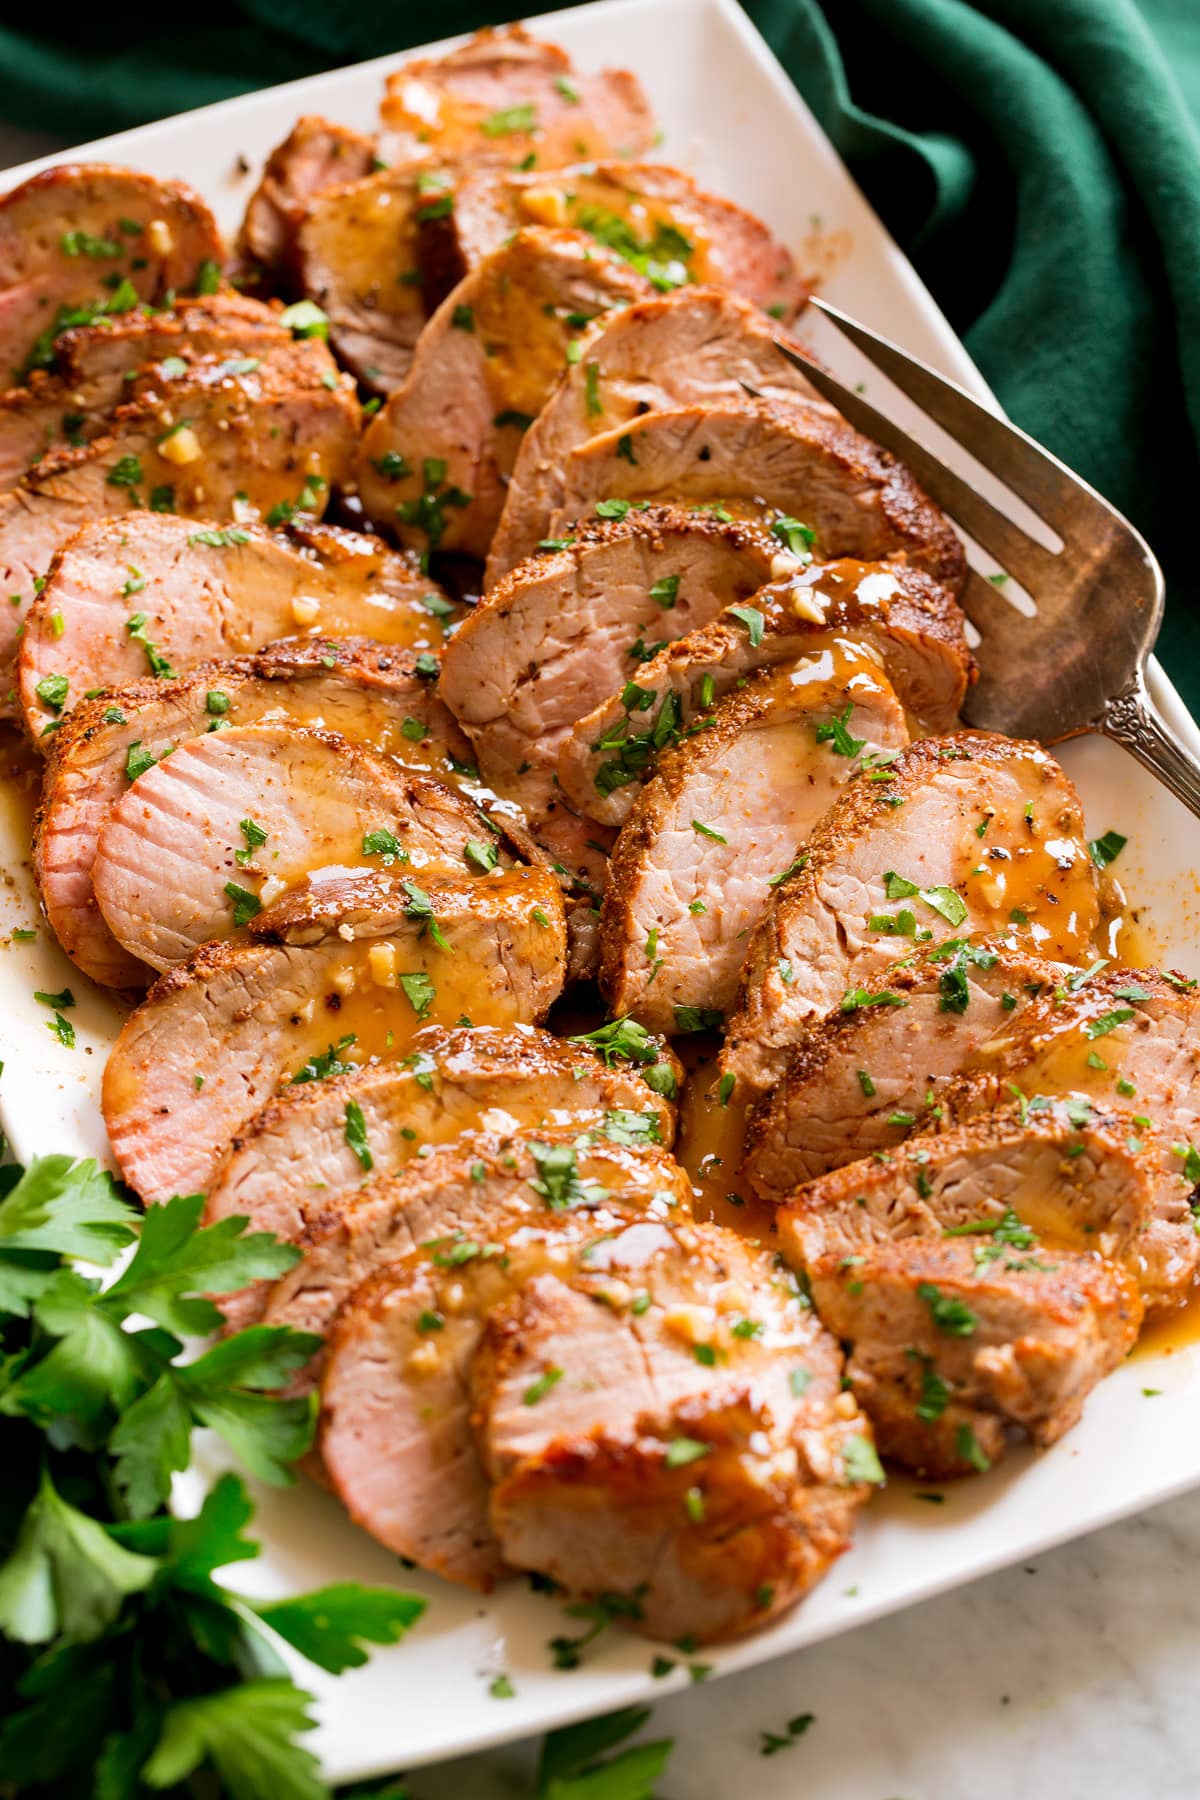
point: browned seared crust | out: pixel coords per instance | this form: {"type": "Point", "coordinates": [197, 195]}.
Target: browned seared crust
{"type": "Point", "coordinates": [769, 1012]}
{"type": "Point", "coordinates": [1056, 1334]}
{"type": "Point", "coordinates": [982, 1276]}
{"type": "Point", "coordinates": [372, 1268]}
{"type": "Point", "coordinates": [751, 454]}
{"type": "Point", "coordinates": [356, 256]}
{"type": "Point", "coordinates": [208, 592]}
{"type": "Point", "coordinates": [89, 377]}
{"type": "Point", "coordinates": [38, 271]}
{"type": "Point", "coordinates": [317, 153]}
{"type": "Point", "coordinates": [440, 105]}
{"type": "Point", "coordinates": [735, 559]}
{"type": "Point", "coordinates": [365, 689]}
{"type": "Point", "coordinates": [912, 620]}
{"type": "Point", "coordinates": [759, 777]}
{"type": "Point", "coordinates": [482, 370]}
{"type": "Point", "coordinates": [729, 247]}
{"type": "Point", "coordinates": [1145, 1062]}
{"type": "Point", "coordinates": [238, 1013]}
{"type": "Point", "coordinates": [267, 428]}
{"type": "Point", "coordinates": [901, 1055]}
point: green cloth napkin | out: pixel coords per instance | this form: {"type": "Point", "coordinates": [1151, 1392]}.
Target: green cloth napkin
{"type": "Point", "coordinates": [1039, 160]}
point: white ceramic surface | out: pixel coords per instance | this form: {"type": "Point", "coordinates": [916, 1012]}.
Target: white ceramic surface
{"type": "Point", "coordinates": [731, 116]}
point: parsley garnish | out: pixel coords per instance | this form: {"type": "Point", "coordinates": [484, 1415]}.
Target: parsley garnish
{"type": "Point", "coordinates": [835, 731]}
{"type": "Point", "coordinates": [1105, 850]}
{"type": "Point", "coordinates": [327, 1062]}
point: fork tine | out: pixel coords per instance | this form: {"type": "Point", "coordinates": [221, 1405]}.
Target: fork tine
{"type": "Point", "coordinates": [1020, 554]}
{"type": "Point", "coordinates": [1044, 483]}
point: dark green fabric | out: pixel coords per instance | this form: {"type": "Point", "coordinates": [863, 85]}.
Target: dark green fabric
{"type": "Point", "coordinates": [1038, 159]}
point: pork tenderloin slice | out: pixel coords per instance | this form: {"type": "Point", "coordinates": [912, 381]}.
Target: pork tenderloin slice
{"type": "Point", "coordinates": [657, 1450]}
{"type": "Point", "coordinates": [1123, 1038]}
{"type": "Point", "coordinates": [856, 497]}
{"type": "Point", "coordinates": [691, 873]}
{"type": "Point", "coordinates": [691, 347]}
{"type": "Point", "coordinates": [657, 217]}
{"type": "Point", "coordinates": [357, 257]}
{"type": "Point", "coordinates": [1017, 1181]}
{"type": "Point", "coordinates": [505, 95]}
{"type": "Point", "coordinates": [232, 820]}
{"type": "Point", "coordinates": [857, 1081]}
{"type": "Point", "coordinates": [1023, 1340]}
{"type": "Point", "coordinates": [338, 975]}
{"type": "Point", "coordinates": [208, 591]}
{"type": "Point", "coordinates": [315, 155]}
{"type": "Point", "coordinates": [482, 371]}
{"type": "Point", "coordinates": [309, 1150]}
{"type": "Point", "coordinates": [909, 622]}
{"type": "Point", "coordinates": [572, 625]}
{"type": "Point", "coordinates": [906, 855]}
{"type": "Point", "coordinates": [204, 443]}
{"type": "Point", "coordinates": [403, 1282]}
{"type": "Point", "coordinates": [65, 230]}
{"type": "Point", "coordinates": [365, 693]}
{"type": "Point", "coordinates": [70, 403]}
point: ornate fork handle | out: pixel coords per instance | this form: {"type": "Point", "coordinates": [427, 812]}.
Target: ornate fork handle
{"type": "Point", "coordinates": [1133, 720]}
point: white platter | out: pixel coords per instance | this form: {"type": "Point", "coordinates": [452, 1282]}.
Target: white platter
{"type": "Point", "coordinates": [731, 116]}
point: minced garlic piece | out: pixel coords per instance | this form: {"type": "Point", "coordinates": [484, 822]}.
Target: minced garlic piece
{"type": "Point", "coordinates": [183, 446]}
{"type": "Point", "coordinates": [342, 980]}
{"type": "Point", "coordinates": [381, 960]}
{"type": "Point", "coordinates": [159, 237]}
{"type": "Point", "coordinates": [306, 609]}
{"type": "Point", "coordinates": [424, 1359]}
{"type": "Point", "coordinates": [548, 206]}
{"type": "Point", "coordinates": [808, 605]}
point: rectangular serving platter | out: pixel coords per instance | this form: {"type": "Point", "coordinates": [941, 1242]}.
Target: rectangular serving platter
{"type": "Point", "coordinates": [732, 118]}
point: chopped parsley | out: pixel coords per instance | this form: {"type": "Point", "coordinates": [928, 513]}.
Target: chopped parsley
{"type": "Point", "coordinates": [356, 1135]}
{"type": "Point", "coordinates": [835, 731]}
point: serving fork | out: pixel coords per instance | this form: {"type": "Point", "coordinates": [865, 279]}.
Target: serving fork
{"type": "Point", "coordinates": [1076, 661]}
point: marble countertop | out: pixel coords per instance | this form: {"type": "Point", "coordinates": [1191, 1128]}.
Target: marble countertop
{"type": "Point", "coordinates": [1072, 1678]}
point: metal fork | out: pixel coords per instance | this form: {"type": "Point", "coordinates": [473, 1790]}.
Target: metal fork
{"type": "Point", "coordinates": [1078, 663]}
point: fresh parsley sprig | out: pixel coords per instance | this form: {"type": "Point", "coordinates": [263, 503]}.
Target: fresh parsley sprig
{"type": "Point", "coordinates": [128, 1668]}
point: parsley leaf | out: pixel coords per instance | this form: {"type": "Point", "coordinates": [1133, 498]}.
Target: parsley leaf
{"type": "Point", "coordinates": [246, 1735]}
{"type": "Point", "coordinates": [66, 1577]}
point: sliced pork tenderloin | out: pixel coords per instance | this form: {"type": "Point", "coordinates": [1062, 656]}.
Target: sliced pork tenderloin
{"type": "Point", "coordinates": [315, 155]}
{"type": "Point", "coordinates": [695, 1456]}
{"type": "Point", "coordinates": [357, 257]}
{"type": "Point", "coordinates": [70, 403]}
{"type": "Point", "coordinates": [1114, 1038]}
{"type": "Point", "coordinates": [691, 347]}
{"type": "Point", "coordinates": [691, 875]}
{"type": "Point", "coordinates": [65, 231]}
{"type": "Point", "coordinates": [574, 624]}
{"type": "Point", "coordinates": [507, 96]}
{"type": "Point", "coordinates": [205, 442]}
{"type": "Point", "coordinates": [666, 227]}
{"type": "Point", "coordinates": [413, 1268]}
{"type": "Point", "coordinates": [980, 1279]}
{"type": "Point", "coordinates": [329, 978]}
{"type": "Point", "coordinates": [965, 834]}
{"type": "Point", "coordinates": [152, 588]}
{"type": "Point", "coordinates": [314, 1147]}
{"type": "Point", "coordinates": [910, 623]}
{"type": "Point", "coordinates": [355, 688]}
{"type": "Point", "coordinates": [857, 1082]}
{"type": "Point", "coordinates": [230, 821]}
{"type": "Point", "coordinates": [746, 458]}
{"type": "Point", "coordinates": [481, 373]}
